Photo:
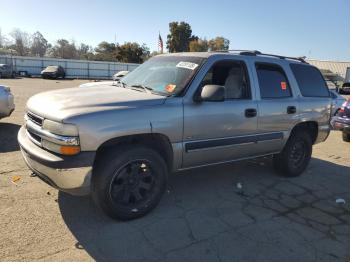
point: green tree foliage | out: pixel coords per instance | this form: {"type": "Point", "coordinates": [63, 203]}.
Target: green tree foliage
{"type": "Point", "coordinates": [105, 51]}
{"type": "Point", "coordinates": [219, 43]}
{"type": "Point", "coordinates": [21, 42]}
{"type": "Point", "coordinates": [132, 52]}
{"type": "Point", "coordinates": [39, 45]}
{"type": "Point", "coordinates": [179, 37]}
{"type": "Point", "coordinates": [85, 52]}
{"type": "Point", "coordinates": [64, 49]}
{"type": "Point", "coordinates": [199, 45]}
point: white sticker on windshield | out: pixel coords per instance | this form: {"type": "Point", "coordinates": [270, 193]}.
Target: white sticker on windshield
{"type": "Point", "coordinates": [187, 65]}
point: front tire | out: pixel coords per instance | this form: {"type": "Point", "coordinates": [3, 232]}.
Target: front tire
{"type": "Point", "coordinates": [346, 137]}
{"type": "Point", "coordinates": [296, 155]}
{"type": "Point", "coordinates": [129, 182]}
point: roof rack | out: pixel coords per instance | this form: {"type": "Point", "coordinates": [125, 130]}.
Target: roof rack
{"type": "Point", "coordinates": [256, 53]}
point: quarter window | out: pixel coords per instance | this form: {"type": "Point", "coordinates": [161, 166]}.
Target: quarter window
{"type": "Point", "coordinates": [273, 82]}
{"type": "Point", "coordinates": [310, 81]}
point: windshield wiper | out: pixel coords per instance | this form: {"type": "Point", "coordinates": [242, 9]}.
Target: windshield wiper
{"type": "Point", "coordinates": [119, 82]}
{"type": "Point", "coordinates": [146, 88]}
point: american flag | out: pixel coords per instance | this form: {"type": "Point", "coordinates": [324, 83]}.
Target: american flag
{"type": "Point", "coordinates": [160, 43]}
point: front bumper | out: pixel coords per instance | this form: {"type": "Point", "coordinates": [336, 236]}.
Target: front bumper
{"type": "Point", "coordinates": [71, 174]}
{"type": "Point", "coordinates": [49, 75]}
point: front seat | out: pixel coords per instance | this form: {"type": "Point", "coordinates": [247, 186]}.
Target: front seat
{"type": "Point", "coordinates": [234, 83]}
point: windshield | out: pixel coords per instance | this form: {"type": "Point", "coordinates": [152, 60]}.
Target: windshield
{"type": "Point", "coordinates": [164, 74]}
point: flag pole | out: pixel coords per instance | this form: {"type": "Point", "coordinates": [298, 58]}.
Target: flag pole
{"type": "Point", "coordinates": [158, 41]}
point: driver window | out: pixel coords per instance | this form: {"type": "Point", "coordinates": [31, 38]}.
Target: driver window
{"type": "Point", "coordinates": [233, 76]}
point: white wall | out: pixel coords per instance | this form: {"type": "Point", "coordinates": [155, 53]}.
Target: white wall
{"type": "Point", "coordinates": [73, 68]}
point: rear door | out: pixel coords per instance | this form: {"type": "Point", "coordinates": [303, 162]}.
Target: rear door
{"type": "Point", "coordinates": [277, 106]}
{"type": "Point", "coordinates": [315, 100]}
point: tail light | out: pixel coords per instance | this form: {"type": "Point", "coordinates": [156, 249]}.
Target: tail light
{"type": "Point", "coordinates": [345, 104]}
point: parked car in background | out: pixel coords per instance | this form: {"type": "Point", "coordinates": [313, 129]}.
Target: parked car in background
{"type": "Point", "coordinates": [119, 75]}
{"type": "Point", "coordinates": [53, 72]}
{"type": "Point", "coordinates": [175, 112]}
{"type": "Point", "coordinates": [341, 121]}
{"type": "Point", "coordinates": [6, 71]}
{"type": "Point", "coordinates": [345, 88]}
{"type": "Point", "coordinates": [337, 101]}
{"type": "Point", "coordinates": [7, 104]}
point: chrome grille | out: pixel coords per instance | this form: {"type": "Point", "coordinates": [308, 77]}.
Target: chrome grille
{"type": "Point", "coordinates": [34, 137]}
{"type": "Point", "coordinates": [35, 119]}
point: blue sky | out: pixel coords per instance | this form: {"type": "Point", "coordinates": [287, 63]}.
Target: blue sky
{"type": "Point", "coordinates": [317, 29]}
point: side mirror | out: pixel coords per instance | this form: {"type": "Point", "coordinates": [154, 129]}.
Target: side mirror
{"type": "Point", "coordinates": [211, 93]}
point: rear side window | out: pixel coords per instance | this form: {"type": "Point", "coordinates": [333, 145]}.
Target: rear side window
{"type": "Point", "coordinates": [273, 82]}
{"type": "Point", "coordinates": [310, 81]}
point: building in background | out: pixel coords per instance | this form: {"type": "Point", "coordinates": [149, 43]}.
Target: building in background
{"type": "Point", "coordinates": [332, 70]}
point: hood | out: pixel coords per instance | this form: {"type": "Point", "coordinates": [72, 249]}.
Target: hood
{"type": "Point", "coordinates": [64, 103]}
{"type": "Point", "coordinates": [102, 83]}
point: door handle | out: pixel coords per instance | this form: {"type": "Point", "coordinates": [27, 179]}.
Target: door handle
{"type": "Point", "coordinates": [250, 112]}
{"type": "Point", "coordinates": [291, 110]}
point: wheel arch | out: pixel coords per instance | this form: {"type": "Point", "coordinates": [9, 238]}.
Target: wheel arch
{"type": "Point", "coordinates": [156, 141]}
{"type": "Point", "coordinates": [309, 126]}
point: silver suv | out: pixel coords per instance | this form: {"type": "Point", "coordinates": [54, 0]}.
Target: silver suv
{"type": "Point", "coordinates": [175, 112]}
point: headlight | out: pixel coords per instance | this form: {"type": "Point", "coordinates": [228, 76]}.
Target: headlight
{"type": "Point", "coordinates": [61, 149]}
{"type": "Point", "coordinates": [64, 139]}
{"type": "Point", "coordinates": [60, 128]}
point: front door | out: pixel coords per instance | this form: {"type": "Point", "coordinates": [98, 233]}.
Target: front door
{"type": "Point", "coordinates": [221, 131]}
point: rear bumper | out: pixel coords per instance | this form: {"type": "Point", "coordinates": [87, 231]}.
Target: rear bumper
{"type": "Point", "coordinates": [345, 88]}
{"type": "Point", "coordinates": [7, 111]}
{"type": "Point", "coordinates": [70, 174]}
{"type": "Point", "coordinates": [340, 123]}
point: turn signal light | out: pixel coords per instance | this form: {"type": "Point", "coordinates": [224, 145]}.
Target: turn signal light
{"type": "Point", "coordinates": [70, 150]}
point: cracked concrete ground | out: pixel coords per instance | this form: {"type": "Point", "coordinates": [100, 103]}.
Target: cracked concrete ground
{"type": "Point", "coordinates": [202, 216]}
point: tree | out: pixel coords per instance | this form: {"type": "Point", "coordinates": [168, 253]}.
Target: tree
{"type": "Point", "coordinates": [39, 45]}
{"type": "Point", "coordinates": [105, 51]}
{"type": "Point", "coordinates": [21, 42]}
{"type": "Point", "coordinates": [85, 52]}
{"type": "Point", "coordinates": [179, 38]}
{"type": "Point", "coordinates": [132, 52]}
{"type": "Point", "coordinates": [199, 45]}
{"type": "Point", "coordinates": [219, 43]}
{"type": "Point", "coordinates": [64, 49]}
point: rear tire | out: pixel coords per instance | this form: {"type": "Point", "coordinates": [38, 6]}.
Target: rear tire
{"type": "Point", "coordinates": [129, 182]}
{"type": "Point", "coordinates": [296, 154]}
{"type": "Point", "coordinates": [0, 75]}
{"type": "Point", "coordinates": [346, 137]}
